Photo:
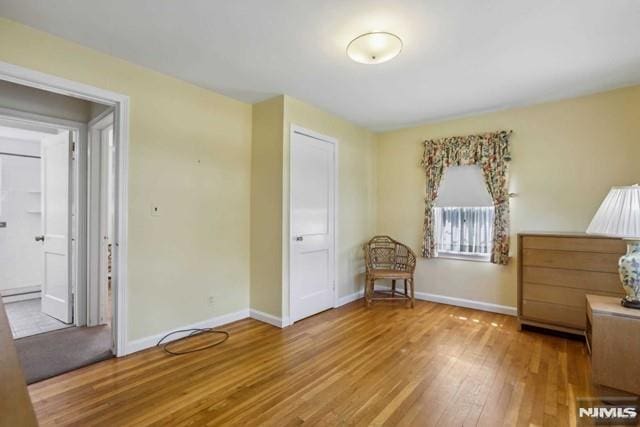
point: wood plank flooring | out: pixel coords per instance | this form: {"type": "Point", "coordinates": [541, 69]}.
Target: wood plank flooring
{"type": "Point", "coordinates": [388, 365]}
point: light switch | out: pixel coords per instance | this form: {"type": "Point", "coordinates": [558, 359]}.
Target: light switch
{"type": "Point", "coordinates": [155, 210]}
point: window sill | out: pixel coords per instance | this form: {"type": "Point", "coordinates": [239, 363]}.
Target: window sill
{"type": "Point", "coordinates": [461, 257]}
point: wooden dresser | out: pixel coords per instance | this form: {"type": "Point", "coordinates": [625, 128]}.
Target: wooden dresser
{"type": "Point", "coordinates": [557, 270]}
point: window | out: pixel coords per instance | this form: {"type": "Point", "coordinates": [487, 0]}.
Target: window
{"type": "Point", "coordinates": [463, 216]}
{"type": "Point", "coordinates": [466, 232]}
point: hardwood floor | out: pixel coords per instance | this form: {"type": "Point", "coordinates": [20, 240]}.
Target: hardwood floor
{"type": "Point", "coordinates": [434, 365]}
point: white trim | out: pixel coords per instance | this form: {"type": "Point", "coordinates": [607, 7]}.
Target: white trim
{"type": "Point", "coordinates": [151, 341]}
{"type": "Point", "coordinates": [28, 119]}
{"type": "Point", "coordinates": [120, 286]}
{"type": "Point", "coordinates": [442, 299]}
{"type": "Point", "coordinates": [50, 83]}
{"type": "Point", "coordinates": [288, 320]}
{"type": "Point", "coordinates": [101, 117]}
{"type": "Point", "coordinates": [22, 297]}
{"type": "Point", "coordinates": [462, 302]}
{"type": "Point", "coordinates": [19, 291]}
{"type": "Point", "coordinates": [267, 318]}
{"type": "Point", "coordinates": [463, 257]}
{"type": "Point", "coordinates": [96, 290]}
{"type": "Point", "coordinates": [468, 303]}
{"type": "Point", "coordinates": [350, 298]}
{"type": "Point", "coordinates": [27, 77]}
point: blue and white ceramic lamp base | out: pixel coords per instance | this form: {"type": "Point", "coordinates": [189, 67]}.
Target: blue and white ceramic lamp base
{"type": "Point", "coordinates": [629, 267]}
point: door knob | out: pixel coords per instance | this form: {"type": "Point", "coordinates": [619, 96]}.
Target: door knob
{"type": "Point", "coordinates": [39, 238]}
{"type": "Point", "coordinates": [299, 239]}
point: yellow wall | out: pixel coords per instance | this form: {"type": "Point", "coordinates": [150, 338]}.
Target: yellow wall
{"type": "Point", "coordinates": [272, 120]}
{"type": "Point", "coordinates": [566, 156]}
{"type": "Point", "coordinates": [266, 206]}
{"type": "Point", "coordinates": [356, 189]}
{"type": "Point", "coordinates": [190, 154]}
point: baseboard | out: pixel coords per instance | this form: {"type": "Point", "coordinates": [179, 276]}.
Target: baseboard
{"type": "Point", "coordinates": [20, 291]}
{"type": "Point", "coordinates": [462, 302]}
{"type": "Point", "coordinates": [350, 298]}
{"type": "Point", "coordinates": [20, 294]}
{"type": "Point", "coordinates": [267, 318]}
{"type": "Point", "coordinates": [21, 297]}
{"type": "Point", "coordinates": [468, 303]}
{"type": "Point", "coordinates": [148, 342]}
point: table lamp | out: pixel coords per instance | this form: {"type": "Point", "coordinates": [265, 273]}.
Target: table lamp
{"type": "Point", "coordinates": [619, 216]}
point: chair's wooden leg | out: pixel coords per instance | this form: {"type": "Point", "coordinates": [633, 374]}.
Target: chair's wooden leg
{"type": "Point", "coordinates": [368, 292]}
{"type": "Point", "coordinates": [366, 284]}
{"type": "Point", "coordinates": [413, 293]}
{"type": "Point", "coordinates": [393, 288]}
{"type": "Point", "coordinates": [405, 288]}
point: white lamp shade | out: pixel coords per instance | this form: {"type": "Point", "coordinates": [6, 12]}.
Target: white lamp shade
{"type": "Point", "coordinates": [619, 214]}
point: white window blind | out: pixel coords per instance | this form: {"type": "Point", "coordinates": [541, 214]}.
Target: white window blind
{"type": "Point", "coordinates": [463, 186]}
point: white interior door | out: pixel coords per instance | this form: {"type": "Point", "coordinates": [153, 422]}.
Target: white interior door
{"type": "Point", "coordinates": [312, 225]}
{"type": "Point", "coordinates": [56, 287]}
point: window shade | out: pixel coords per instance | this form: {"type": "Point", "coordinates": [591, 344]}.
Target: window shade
{"type": "Point", "coordinates": [463, 186]}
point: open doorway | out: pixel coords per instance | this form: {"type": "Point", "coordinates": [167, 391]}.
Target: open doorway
{"type": "Point", "coordinates": [60, 228]}
{"type": "Point", "coordinates": [36, 243]}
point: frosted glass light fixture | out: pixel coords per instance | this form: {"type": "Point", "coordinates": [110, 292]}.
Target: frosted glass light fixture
{"type": "Point", "coordinates": [374, 48]}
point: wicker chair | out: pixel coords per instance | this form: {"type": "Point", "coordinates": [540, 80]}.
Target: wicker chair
{"type": "Point", "coordinates": [389, 259]}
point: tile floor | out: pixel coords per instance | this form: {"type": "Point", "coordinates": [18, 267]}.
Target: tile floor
{"type": "Point", "coordinates": [26, 319]}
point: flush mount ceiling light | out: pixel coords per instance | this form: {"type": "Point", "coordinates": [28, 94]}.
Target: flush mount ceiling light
{"type": "Point", "coordinates": [374, 48]}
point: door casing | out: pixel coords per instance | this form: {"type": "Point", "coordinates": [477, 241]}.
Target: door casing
{"type": "Point", "coordinates": [120, 103]}
{"type": "Point", "coordinates": [97, 200]}
{"type": "Point", "coordinates": [287, 318]}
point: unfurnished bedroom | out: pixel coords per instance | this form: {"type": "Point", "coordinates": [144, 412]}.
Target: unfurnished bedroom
{"type": "Point", "coordinates": [406, 213]}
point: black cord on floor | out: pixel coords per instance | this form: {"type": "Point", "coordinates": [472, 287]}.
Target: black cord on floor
{"type": "Point", "coordinates": [193, 332]}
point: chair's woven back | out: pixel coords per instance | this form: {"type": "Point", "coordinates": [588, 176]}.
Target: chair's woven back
{"type": "Point", "coordinates": [384, 253]}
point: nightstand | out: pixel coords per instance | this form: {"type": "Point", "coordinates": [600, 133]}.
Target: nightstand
{"type": "Point", "coordinates": [613, 338]}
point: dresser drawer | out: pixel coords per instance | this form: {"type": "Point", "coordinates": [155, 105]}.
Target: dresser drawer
{"type": "Point", "coordinates": [562, 315]}
{"type": "Point", "coordinates": [575, 244]}
{"type": "Point", "coordinates": [587, 261]}
{"type": "Point", "coordinates": [571, 297]}
{"type": "Point", "coordinates": [580, 279]}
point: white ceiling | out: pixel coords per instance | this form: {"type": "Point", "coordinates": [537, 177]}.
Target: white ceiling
{"type": "Point", "coordinates": [459, 57]}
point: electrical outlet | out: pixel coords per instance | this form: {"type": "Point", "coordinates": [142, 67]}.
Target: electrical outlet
{"type": "Point", "coordinates": [155, 210]}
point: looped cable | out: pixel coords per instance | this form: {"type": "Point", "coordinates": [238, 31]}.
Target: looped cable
{"type": "Point", "coordinates": [192, 333]}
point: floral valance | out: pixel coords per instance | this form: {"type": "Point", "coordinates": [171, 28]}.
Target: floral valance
{"type": "Point", "coordinates": [491, 152]}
